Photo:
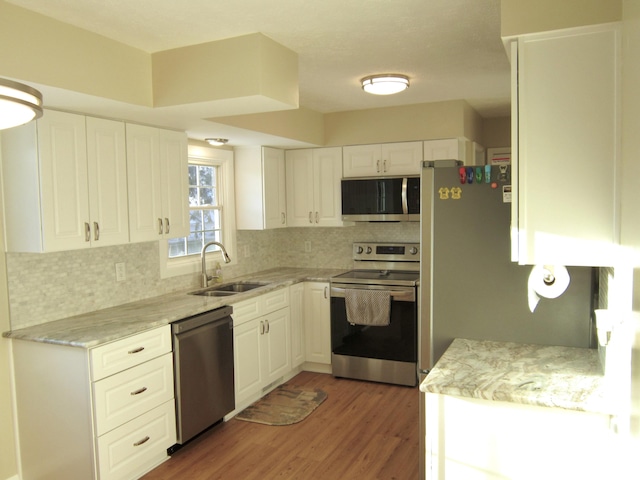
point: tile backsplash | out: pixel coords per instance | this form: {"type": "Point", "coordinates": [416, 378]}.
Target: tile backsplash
{"type": "Point", "coordinates": [50, 286]}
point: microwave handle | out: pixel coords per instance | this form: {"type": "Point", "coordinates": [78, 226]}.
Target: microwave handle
{"type": "Point", "coordinates": [405, 202]}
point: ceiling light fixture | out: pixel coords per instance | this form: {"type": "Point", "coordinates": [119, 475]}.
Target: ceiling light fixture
{"type": "Point", "coordinates": [385, 83]}
{"type": "Point", "coordinates": [19, 104]}
{"type": "Point", "coordinates": [216, 141]}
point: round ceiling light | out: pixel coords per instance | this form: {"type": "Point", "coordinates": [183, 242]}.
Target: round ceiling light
{"type": "Point", "coordinates": [19, 104]}
{"type": "Point", "coordinates": [216, 141]}
{"type": "Point", "coordinates": [385, 83]}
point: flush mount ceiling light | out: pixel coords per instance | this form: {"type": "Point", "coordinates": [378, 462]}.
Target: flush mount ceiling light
{"type": "Point", "coordinates": [385, 83]}
{"type": "Point", "coordinates": [216, 141]}
{"type": "Point", "coordinates": [19, 104]}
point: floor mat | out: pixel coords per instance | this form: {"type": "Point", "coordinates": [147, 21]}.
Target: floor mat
{"type": "Point", "coordinates": [285, 405]}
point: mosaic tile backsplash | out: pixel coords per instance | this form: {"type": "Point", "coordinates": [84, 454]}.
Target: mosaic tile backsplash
{"type": "Point", "coordinates": [50, 286]}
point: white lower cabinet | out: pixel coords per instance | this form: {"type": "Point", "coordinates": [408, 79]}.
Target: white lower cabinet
{"type": "Point", "coordinates": [262, 343]}
{"type": "Point", "coordinates": [101, 413]}
{"type": "Point", "coordinates": [296, 307]}
{"type": "Point", "coordinates": [317, 325]}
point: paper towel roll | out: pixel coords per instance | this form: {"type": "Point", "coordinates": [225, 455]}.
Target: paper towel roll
{"type": "Point", "coordinates": [549, 281]}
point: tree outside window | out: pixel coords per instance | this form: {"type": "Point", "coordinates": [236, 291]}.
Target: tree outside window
{"type": "Point", "coordinates": [205, 208]}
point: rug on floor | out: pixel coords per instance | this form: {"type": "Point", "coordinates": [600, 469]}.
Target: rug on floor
{"type": "Point", "coordinates": [286, 405]}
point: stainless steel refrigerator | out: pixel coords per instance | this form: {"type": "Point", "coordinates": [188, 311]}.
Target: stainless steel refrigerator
{"type": "Point", "coordinates": [469, 288]}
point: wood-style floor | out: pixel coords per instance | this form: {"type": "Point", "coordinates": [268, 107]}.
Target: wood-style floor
{"type": "Point", "coordinates": [363, 430]}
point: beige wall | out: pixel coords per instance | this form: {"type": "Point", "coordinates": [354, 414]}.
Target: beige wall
{"type": "Point", "coordinates": [396, 124]}
{"type": "Point", "coordinates": [496, 132]}
{"type": "Point", "coordinates": [528, 16]}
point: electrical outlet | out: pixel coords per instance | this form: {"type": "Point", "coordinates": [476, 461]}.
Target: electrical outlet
{"type": "Point", "coordinates": [121, 273]}
{"type": "Point", "coordinates": [307, 246]}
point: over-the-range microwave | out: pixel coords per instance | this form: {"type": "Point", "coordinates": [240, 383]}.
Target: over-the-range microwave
{"type": "Point", "coordinates": [384, 199]}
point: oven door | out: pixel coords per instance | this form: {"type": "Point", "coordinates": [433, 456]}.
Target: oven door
{"type": "Point", "coordinates": [397, 341]}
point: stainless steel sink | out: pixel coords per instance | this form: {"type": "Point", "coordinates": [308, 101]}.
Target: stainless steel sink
{"type": "Point", "coordinates": [227, 289]}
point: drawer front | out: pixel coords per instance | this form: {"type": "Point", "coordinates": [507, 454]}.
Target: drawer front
{"type": "Point", "coordinates": [247, 310]}
{"type": "Point", "coordinates": [130, 351]}
{"type": "Point", "coordinates": [139, 445]}
{"type": "Point", "coordinates": [276, 300]}
{"type": "Point", "coordinates": [131, 393]}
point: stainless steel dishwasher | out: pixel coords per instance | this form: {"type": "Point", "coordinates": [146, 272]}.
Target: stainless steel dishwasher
{"type": "Point", "coordinates": [203, 367]}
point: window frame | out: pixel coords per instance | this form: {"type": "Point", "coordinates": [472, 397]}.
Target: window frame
{"type": "Point", "coordinates": [191, 264]}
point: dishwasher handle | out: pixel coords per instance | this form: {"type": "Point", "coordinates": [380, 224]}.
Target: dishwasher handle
{"type": "Point", "coordinates": [222, 314]}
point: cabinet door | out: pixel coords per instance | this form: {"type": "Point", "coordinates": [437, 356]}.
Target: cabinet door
{"type": "Point", "coordinates": [445, 149]}
{"type": "Point", "coordinates": [361, 161]}
{"type": "Point", "coordinates": [317, 322]}
{"type": "Point", "coordinates": [327, 173]}
{"type": "Point", "coordinates": [296, 309]}
{"type": "Point", "coordinates": [568, 147]}
{"type": "Point", "coordinates": [247, 347]}
{"type": "Point", "coordinates": [144, 184]}
{"type": "Point", "coordinates": [107, 168]}
{"type": "Point", "coordinates": [401, 158]}
{"type": "Point", "coordinates": [275, 199]}
{"type": "Point", "coordinates": [63, 173]}
{"type": "Point", "coordinates": [276, 360]}
{"type": "Point", "coordinates": [300, 194]}
{"type": "Point", "coordinates": [174, 172]}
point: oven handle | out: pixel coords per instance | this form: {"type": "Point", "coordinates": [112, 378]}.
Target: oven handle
{"type": "Point", "coordinates": [408, 295]}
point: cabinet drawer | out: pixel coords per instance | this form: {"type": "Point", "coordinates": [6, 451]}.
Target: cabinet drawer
{"type": "Point", "coordinates": [129, 352]}
{"type": "Point", "coordinates": [276, 300]}
{"type": "Point", "coordinates": [124, 396]}
{"type": "Point", "coordinates": [139, 445]}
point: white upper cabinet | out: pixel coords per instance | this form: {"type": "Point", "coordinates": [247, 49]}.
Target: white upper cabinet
{"type": "Point", "coordinates": [157, 169]}
{"type": "Point", "coordinates": [565, 146]}
{"type": "Point", "coordinates": [445, 149]}
{"type": "Point", "coordinates": [64, 180]}
{"type": "Point", "coordinates": [260, 188]}
{"type": "Point", "coordinates": [313, 187]}
{"type": "Point", "coordinates": [387, 159]}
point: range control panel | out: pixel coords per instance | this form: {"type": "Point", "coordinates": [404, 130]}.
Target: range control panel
{"type": "Point", "coordinates": [387, 252]}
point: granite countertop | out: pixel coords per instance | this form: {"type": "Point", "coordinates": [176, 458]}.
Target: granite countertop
{"type": "Point", "coordinates": [103, 326]}
{"type": "Point", "coordinates": [547, 376]}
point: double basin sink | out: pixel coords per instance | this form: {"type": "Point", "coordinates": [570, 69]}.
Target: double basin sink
{"type": "Point", "coordinates": [226, 289]}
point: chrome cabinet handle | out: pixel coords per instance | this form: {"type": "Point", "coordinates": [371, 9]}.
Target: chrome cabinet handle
{"type": "Point", "coordinates": [167, 225]}
{"type": "Point", "coordinates": [261, 327]}
{"type": "Point", "coordinates": [135, 350]}
{"type": "Point", "coordinates": [160, 227]}
{"type": "Point", "coordinates": [139, 391]}
{"type": "Point", "coordinates": [140, 442]}
{"type": "Point", "coordinates": [87, 232]}
{"type": "Point", "coordinates": [326, 289]}
{"type": "Point", "coordinates": [378, 166]}
{"type": "Point", "coordinates": [96, 231]}
{"type": "Point", "coordinates": [284, 218]}
{"type": "Point", "coordinates": [267, 322]}
{"type": "Point", "coordinates": [310, 217]}
{"type": "Point", "coordinates": [317, 217]}
{"type": "Point", "coordinates": [384, 166]}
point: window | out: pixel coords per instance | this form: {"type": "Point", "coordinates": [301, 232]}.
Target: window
{"type": "Point", "coordinates": [206, 210]}
{"type": "Point", "coordinates": [212, 213]}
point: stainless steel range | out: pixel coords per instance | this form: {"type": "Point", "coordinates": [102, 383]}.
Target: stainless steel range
{"type": "Point", "coordinates": [374, 314]}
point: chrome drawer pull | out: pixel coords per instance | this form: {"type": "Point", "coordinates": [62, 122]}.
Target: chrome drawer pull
{"type": "Point", "coordinates": [96, 231]}
{"type": "Point", "coordinates": [139, 391]}
{"type": "Point", "coordinates": [140, 442]}
{"type": "Point", "coordinates": [135, 350]}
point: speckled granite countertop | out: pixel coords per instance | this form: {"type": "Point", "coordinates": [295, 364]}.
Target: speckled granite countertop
{"type": "Point", "coordinates": [103, 326]}
{"type": "Point", "coordinates": [546, 376]}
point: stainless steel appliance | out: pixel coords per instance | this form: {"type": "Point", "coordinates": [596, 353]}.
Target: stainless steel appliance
{"type": "Point", "coordinates": [204, 375]}
{"type": "Point", "coordinates": [389, 199]}
{"type": "Point", "coordinates": [469, 288]}
{"type": "Point", "coordinates": [381, 353]}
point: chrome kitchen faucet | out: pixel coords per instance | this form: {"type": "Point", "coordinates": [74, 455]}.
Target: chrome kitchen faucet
{"type": "Point", "coordinates": [225, 256]}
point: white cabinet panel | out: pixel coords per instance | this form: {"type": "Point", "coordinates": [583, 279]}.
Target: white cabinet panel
{"type": "Point", "coordinates": [260, 188]}
{"type": "Point", "coordinates": [387, 159]}
{"type": "Point", "coordinates": [296, 308]}
{"type": "Point", "coordinates": [317, 323]}
{"type": "Point", "coordinates": [566, 146]}
{"type": "Point", "coordinates": [445, 149]}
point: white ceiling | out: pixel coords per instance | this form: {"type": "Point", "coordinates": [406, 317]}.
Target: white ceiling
{"type": "Point", "coordinates": [450, 49]}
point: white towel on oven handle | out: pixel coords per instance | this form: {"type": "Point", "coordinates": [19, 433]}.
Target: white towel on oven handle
{"type": "Point", "coordinates": [368, 307]}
